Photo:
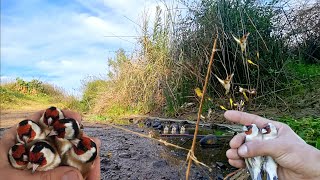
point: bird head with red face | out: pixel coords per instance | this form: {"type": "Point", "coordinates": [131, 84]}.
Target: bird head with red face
{"type": "Point", "coordinates": [51, 115]}
{"type": "Point", "coordinates": [18, 156]}
{"type": "Point", "coordinates": [84, 149]}
{"type": "Point", "coordinates": [28, 130]}
{"type": "Point", "coordinates": [67, 128]}
{"type": "Point", "coordinates": [43, 156]}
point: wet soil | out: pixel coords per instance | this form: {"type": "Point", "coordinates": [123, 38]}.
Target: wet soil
{"type": "Point", "coordinates": [128, 156]}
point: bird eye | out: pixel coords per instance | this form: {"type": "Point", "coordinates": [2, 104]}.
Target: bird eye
{"type": "Point", "coordinates": [40, 160]}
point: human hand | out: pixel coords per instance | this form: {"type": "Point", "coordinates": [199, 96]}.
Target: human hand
{"type": "Point", "coordinates": [61, 172]}
{"type": "Point", "coordinates": [296, 159]}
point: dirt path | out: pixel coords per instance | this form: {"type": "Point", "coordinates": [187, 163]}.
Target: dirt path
{"type": "Point", "coordinates": [128, 156]}
{"type": "Point", "coordinates": [10, 118]}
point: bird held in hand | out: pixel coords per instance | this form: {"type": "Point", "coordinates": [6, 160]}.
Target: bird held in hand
{"type": "Point", "coordinates": [28, 130]}
{"type": "Point", "coordinates": [63, 131]}
{"type": "Point", "coordinates": [18, 156]}
{"type": "Point", "coordinates": [43, 156]}
{"type": "Point", "coordinates": [49, 117]}
{"type": "Point", "coordinates": [81, 155]}
{"type": "Point", "coordinates": [254, 164]}
{"type": "Point", "coordinates": [269, 131]}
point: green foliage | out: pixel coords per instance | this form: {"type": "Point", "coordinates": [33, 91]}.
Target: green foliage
{"type": "Point", "coordinates": [22, 94]}
{"type": "Point", "coordinates": [174, 52]}
{"type": "Point", "coordinates": [137, 83]}
{"type": "Point", "coordinates": [91, 92]}
{"type": "Point", "coordinates": [302, 70]}
{"type": "Point", "coordinates": [307, 128]}
{"type": "Point", "coordinates": [9, 96]}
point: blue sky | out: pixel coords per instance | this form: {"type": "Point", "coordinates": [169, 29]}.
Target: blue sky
{"type": "Point", "coordinates": [63, 41]}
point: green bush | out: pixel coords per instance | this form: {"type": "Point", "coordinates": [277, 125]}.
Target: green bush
{"type": "Point", "coordinates": [307, 128]}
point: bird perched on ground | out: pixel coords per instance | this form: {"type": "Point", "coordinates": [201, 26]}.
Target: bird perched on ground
{"type": "Point", "coordinates": [174, 130]}
{"type": "Point", "coordinates": [63, 131]}
{"type": "Point", "coordinates": [269, 131]}
{"type": "Point", "coordinates": [182, 130]}
{"type": "Point", "coordinates": [242, 41]}
{"type": "Point", "coordinates": [81, 155]}
{"type": "Point", "coordinates": [226, 83]}
{"type": "Point", "coordinates": [28, 130]}
{"type": "Point", "coordinates": [18, 156]}
{"type": "Point", "coordinates": [43, 156]}
{"type": "Point", "coordinates": [166, 130]}
{"type": "Point", "coordinates": [253, 164]}
{"type": "Point", "coordinates": [49, 117]}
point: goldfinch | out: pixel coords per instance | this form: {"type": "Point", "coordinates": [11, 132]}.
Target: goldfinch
{"type": "Point", "coordinates": [254, 164]}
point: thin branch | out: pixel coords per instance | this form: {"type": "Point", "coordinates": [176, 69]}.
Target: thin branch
{"type": "Point", "coordinates": [200, 108]}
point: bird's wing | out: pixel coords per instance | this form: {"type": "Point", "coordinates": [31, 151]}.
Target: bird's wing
{"type": "Point", "coordinates": [220, 80]}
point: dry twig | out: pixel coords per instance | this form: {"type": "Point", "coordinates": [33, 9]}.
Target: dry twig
{"type": "Point", "coordinates": [200, 109]}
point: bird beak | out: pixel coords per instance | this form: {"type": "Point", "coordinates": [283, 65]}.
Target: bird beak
{"type": "Point", "coordinates": [25, 139]}
{"type": "Point", "coordinates": [263, 131]}
{"type": "Point", "coordinates": [49, 121]}
{"type": "Point", "coordinates": [53, 133]}
{"type": "Point", "coordinates": [75, 142]}
{"type": "Point", "coordinates": [244, 128]}
{"type": "Point", "coordinates": [34, 167]}
{"type": "Point", "coordinates": [25, 158]}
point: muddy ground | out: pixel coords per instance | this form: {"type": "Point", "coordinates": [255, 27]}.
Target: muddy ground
{"type": "Point", "coordinates": [128, 156]}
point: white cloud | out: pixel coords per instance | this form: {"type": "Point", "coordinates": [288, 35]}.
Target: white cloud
{"type": "Point", "coordinates": [62, 45]}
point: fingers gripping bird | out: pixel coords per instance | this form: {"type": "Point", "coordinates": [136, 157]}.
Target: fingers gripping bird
{"type": "Point", "coordinates": [253, 164]}
{"type": "Point", "coordinates": [270, 166]}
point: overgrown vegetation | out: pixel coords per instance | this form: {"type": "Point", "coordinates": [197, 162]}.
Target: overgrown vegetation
{"type": "Point", "coordinates": [31, 95]}
{"type": "Point", "coordinates": [277, 55]}
{"type": "Point", "coordinates": [279, 60]}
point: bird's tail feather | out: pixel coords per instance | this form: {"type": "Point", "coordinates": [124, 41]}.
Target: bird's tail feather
{"type": "Point", "coordinates": [259, 176]}
{"type": "Point", "coordinates": [273, 177]}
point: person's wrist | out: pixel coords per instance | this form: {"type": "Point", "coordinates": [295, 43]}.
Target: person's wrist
{"type": "Point", "coordinates": [311, 161]}
{"type": "Point", "coordinates": [317, 163]}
